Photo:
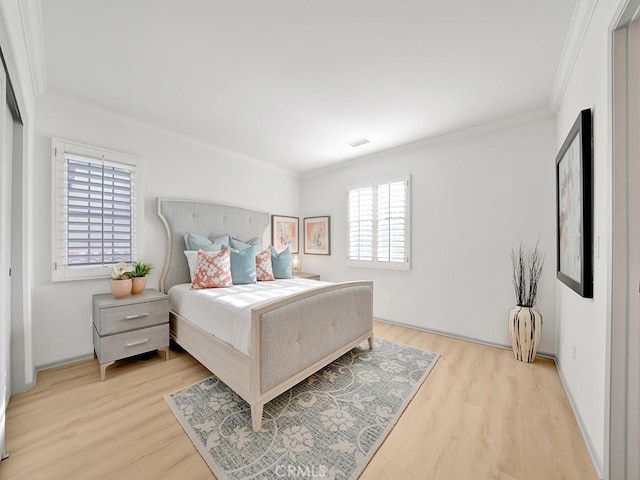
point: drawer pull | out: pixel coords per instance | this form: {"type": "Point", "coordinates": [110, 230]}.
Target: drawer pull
{"type": "Point", "coordinates": [139, 315]}
{"type": "Point", "coordinates": [139, 342]}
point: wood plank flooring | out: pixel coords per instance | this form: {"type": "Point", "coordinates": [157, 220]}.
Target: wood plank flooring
{"type": "Point", "coordinates": [479, 415]}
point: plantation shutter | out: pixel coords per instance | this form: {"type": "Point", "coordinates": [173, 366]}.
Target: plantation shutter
{"type": "Point", "coordinates": [378, 217]}
{"type": "Point", "coordinates": [391, 222]}
{"type": "Point", "coordinates": [361, 224]}
{"type": "Point", "coordinates": [95, 211]}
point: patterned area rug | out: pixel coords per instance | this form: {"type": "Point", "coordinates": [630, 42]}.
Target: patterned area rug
{"type": "Point", "coordinates": [328, 426]}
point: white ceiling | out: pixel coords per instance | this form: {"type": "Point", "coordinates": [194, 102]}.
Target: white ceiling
{"type": "Point", "coordinates": [292, 81]}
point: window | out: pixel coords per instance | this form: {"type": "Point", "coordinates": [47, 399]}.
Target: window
{"type": "Point", "coordinates": [379, 224]}
{"type": "Point", "coordinates": [94, 210]}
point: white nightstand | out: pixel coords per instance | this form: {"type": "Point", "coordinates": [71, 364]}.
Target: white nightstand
{"type": "Point", "coordinates": [310, 276]}
{"type": "Point", "coordinates": [129, 326]}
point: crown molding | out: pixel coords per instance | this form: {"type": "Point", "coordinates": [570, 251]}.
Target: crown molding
{"type": "Point", "coordinates": [582, 15]}
{"type": "Point", "coordinates": [121, 119]}
{"type": "Point", "coordinates": [31, 15]}
{"type": "Point", "coordinates": [480, 129]}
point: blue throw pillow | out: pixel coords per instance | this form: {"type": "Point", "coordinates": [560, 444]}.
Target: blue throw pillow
{"type": "Point", "coordinates": [193, 241]}
{"type": "Point", "coordinates": [224, 239]}
{"type": "Point", "coordinates": [282, 263]}
{"type": "Point", "coordinates": [243, 265]}
{"type": "Point", "coordinates": [241, 245]}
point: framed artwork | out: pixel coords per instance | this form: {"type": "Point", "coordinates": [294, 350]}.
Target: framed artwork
{"type": "Point", "coordinates": [574, 209]}
{"type": "Point", "coordinates": [317, 235]}
{"type": "Point", "coordinates": [284, 233]}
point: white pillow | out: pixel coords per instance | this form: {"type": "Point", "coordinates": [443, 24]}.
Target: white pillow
{"type": "Point", "coordinates": [192, 256]}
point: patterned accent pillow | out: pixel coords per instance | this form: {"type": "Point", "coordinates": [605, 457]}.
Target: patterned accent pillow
{"type": "Point", "coordinates": [192, 257]}
{"type": "Point", "coordinates": [213, 270]}
{"type": "Point", "coordinates": [264, 269]}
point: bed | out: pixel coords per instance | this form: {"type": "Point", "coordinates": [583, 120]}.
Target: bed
{"type": "Point", "coordinates": [288, 339]}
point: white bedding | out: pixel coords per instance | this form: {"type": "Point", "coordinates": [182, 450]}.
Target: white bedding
{"type": "Point", "coordinates": [226, 312]}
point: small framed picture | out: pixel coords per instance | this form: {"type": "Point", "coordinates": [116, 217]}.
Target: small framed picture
{"type": "Point", "coordinates": [284, 233]}
{"type": "Point", "coordinates": [317, 235]}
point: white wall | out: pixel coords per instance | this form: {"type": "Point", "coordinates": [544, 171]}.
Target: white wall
{"type": "Point", "coordinates": [582, 323]}
{"type": "Point", "coordinates": [473, 199]}
{"type": "Point", "coordinates": [171, 167]}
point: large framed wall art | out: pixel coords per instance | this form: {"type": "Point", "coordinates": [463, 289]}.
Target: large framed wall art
{"type": "Point", "coordinates": [574, 207]}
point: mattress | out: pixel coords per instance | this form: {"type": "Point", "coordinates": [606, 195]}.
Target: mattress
{"type": "Point", "coordinates": [226, 312]}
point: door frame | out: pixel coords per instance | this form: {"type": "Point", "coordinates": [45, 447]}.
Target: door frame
{"type": "Point", "coordinates": [15, 63]}
{"type": "Point", "coordinates": [6, 160]}
{"type": "Point", "coordinates": [622, 446]}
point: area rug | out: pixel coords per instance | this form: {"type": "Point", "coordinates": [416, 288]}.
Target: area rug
{"type": "Point", "coordinates": [328, 426]}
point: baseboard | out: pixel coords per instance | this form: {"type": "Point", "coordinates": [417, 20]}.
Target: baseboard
{"type": "Point", "coordinates": [47, 366]}
{"type": "Point", "coordinates": [597, 463]}
{"type": "Point", "coordinates": [550, 356]}
{"type": "Point", "coordinates": [60, 363]}
{"type": "Point", "coordinates": [26, 387]}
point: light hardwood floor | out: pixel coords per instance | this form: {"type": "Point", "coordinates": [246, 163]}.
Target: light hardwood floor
{"type": "Point", "coordinates": [479, 415]}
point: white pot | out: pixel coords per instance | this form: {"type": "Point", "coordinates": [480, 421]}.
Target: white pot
{"type": "Point", "coordinates": [525, 326]}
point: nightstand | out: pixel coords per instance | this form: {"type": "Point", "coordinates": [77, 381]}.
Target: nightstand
{"type": "Point", "coordinates": [129, 326]}
{"type": "Point", "coordinates": [310, 276]}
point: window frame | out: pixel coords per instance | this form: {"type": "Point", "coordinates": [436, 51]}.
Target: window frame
{"type": "Point", "coordinates": [374, 263]}
{"type": "Point", "coordinates": [60, 148]}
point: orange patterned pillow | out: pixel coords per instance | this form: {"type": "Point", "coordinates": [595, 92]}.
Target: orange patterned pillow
{"type": "Point", "coordinates": [213, 270]}
{"type": "Point", "coordinates": [264, 269]}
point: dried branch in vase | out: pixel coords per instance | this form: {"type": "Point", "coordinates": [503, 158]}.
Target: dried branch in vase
{"type": "Point", "coordinates": [527, 269]}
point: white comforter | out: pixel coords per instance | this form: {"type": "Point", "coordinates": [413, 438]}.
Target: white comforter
{"type": "Point", "coordinates": [226, 312]}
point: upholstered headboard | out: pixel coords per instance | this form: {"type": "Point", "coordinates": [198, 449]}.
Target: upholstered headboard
{"type": "Point", "coordinates": [204, 218]}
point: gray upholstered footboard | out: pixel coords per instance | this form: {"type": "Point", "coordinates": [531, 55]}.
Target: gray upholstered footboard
{"type": "Point", "coordinates": [295, 337]}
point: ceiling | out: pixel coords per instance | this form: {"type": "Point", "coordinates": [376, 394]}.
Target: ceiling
{"type": "Point", "coordinates": [291, 82]}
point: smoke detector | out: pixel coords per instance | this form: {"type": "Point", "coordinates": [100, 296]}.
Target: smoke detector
{"type": "Point", "coordinates": [359, 141]}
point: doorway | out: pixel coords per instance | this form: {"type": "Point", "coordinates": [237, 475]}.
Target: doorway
{"type": "Point", "coordinates": [6, 160]}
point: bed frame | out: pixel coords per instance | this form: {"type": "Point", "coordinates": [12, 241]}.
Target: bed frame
{"type": "Point", "coordinates": [291, 338]}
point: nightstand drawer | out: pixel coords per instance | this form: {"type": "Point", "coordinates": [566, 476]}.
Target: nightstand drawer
{"type": "Point", "coordinates": [123, 318]}
{"type": "Point", "coordinates": [122, 345]}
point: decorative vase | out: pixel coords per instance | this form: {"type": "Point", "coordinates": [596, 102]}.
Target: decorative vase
{"type": "Point", "coordinates": [121, 288]}
{"type": "Point", "coordinates": [139, 284]}
{"type": "Point", "coordinates": [525, 326]}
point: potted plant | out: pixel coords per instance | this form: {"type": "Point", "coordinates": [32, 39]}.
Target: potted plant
{"type": "Point", "coordinates": [121, 283]}
{"type": "Point", "coordinates": [139, 276]}
{"type": "Point", "coordinates": [525, 321]}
